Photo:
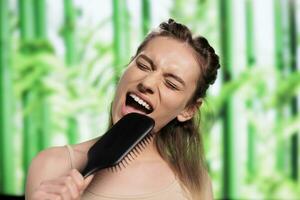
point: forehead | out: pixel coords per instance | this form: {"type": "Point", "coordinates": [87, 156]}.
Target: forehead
{"type": "Point", "coordinates": [173, 55]}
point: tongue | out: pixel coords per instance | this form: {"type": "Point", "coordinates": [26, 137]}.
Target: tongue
{"type": "Point", "coordinates": [130, 109]}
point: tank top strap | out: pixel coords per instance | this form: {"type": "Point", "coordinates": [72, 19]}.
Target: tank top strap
{"type": "Point", "coordinates": [71, 156]}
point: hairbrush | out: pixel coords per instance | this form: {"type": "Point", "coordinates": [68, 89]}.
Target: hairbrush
{"type": "Point", "coordinates": [120, 144]}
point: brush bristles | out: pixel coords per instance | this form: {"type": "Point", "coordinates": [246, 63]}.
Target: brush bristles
{"type": "Point", "coordinates": [132, 154]}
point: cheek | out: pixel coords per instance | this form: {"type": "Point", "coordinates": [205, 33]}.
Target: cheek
{"type": "Point", "coordinates": [118, 94]}
{"type": "Point", "coordinates": [168, 110]}
{"type": "Point", "coordinates": [123, 82]}
{"type": "Point", "coordinates": [129, 75]}
{"type": "Point", "coordinates": [171, 104]}
{"type": "Point", "coordinates": [127, 78]}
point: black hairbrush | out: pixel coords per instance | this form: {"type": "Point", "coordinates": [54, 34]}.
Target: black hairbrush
{"type": "Point", "coordinates": [124, 139]}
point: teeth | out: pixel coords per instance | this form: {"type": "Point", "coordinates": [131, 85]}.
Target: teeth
{"type": "Point", "coordinates": [140, 101]}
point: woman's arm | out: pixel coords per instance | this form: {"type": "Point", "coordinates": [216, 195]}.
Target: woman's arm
{"type": "Point", "coordinates": [50, 176]}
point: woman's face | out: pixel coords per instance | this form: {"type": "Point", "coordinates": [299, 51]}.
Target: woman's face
{"type": "Point", "coordinates": [158, 82]}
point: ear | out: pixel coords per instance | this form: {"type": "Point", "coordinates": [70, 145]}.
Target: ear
{"type": "Point", "coordinates": [189, 111]}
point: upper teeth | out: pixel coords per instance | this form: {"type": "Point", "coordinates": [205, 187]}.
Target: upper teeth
{"type": "Point", "coordinates": [140, 101]}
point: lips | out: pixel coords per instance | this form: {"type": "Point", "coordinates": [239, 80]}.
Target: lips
{"type": "Point", "coordinates": [138, 103]}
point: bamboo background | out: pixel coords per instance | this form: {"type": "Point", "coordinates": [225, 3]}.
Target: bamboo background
{"type": "Point", "coordinates": [61, 59]}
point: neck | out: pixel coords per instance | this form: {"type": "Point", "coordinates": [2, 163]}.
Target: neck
{"type": "Point", "coordinates": [149, 152]}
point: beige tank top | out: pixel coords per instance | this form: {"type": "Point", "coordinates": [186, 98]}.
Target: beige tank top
{"type": "Point", "coordinates": [171, 192]}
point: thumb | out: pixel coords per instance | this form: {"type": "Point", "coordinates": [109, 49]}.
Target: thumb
{"type": "Point", "coordinates": [87, 181]}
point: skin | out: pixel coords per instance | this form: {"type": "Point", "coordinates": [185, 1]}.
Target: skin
{"type": "Point", "coordinates": [50, 176]}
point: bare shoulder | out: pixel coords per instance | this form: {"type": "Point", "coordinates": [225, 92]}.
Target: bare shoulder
{"type": "Point", "coordinates": [55, 162]}
{"type": "Point", "coordinates": [48, 164]}
{"type": "Point", "coordinates": [49, 159]}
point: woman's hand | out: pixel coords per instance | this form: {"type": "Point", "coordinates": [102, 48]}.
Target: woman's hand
{"type": "Point", "coordinates": [69, 187]}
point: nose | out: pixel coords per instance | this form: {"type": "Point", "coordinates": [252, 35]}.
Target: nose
{"type": "Point", "coordinates": [141, 87]}
{"type": "Point", "coordinates": [148, 84]}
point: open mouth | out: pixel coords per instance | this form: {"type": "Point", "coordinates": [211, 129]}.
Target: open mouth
{"type": "Point", "coordinates": [137, 103]}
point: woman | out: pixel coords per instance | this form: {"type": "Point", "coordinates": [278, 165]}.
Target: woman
{"type": "Point", "coordinates": [169, 76]}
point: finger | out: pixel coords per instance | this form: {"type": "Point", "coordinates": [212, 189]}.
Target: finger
{"type": "Point", "coordinates": [65, 187]}
{"type": "Point", "coordinates": [57, 181]}
{"type": "Point", "coordinates": [51, 188]}
{"type": "Point", "coordinates": [50, 196]}
{"type": "Point", "coordinates": [87, 181]}
{"type": "Point", "coordinates": [78, 178]}
{"type": "Point", "coordinates": [42, 195]}
{"type": "Point", "coordinates": [57, 187]}
{"type": "Point", "coordinates": [64, 193]}
{"type": "Point", "coordinates": [73, 189]}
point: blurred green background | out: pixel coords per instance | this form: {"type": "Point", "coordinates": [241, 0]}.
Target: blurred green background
{"type": "Point", "coordinates": [61, 59]}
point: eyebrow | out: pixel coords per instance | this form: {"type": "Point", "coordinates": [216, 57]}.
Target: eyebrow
{"type": "Point", "coordinates": [153, 66]}
{"type": "Point", "coordinates": [176, 78]}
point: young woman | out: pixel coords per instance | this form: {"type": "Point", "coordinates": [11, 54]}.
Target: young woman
{"type": "Point", "coordinates": [169, 76]}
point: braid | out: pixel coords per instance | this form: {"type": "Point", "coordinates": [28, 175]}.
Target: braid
{"type": "Point", "coordinates": [179, 31]}
{"type": "Point", "coordinates": [209, 64]}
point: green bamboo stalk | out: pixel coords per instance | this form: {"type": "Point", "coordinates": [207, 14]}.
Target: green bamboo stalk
{"type": "Point", "coordinates": [45, 132]}
{"type": "Point", "coordinates": [119, 39]}
{"type": "Point", "coordinates": [278, 35]}
{"type": "Point", "coordinates": [7, 161]}
{"type": "Point", "coordinates": [71, 58]}
{"type": "Point", "coordinates": [30, 144]}
{"type": "Point", "coordinates": [249, 34]}
{"type": "Point", "coordinates": [250, 56]}
{"type": "Point", "coordinates": [146, 16]}
{"type": "Point", "coordinates": [30, 141]}
{"type": "Point", "coordinates": [229, 144]}
{"type": "Point", "coordinates": [40, 19]}
{"type": "Point", "coordinates": [127, 39]}
{"type": "Point", "coordinates": [294, 106]}
{"type": "Point", "coordinates": [69, 32]}
{"type": "Point", "coordinates": [297, 42]}
{"type": "Point", "coordinates": [43, 114]}
{"type": "Point", "coordinates": [279, 63]}
{"type": "Point", "coordinates": [26, 19]}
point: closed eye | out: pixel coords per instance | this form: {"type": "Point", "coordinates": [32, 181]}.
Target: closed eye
{"type": "Point", "coordinates": [171, 85]}
{"type": "Point", "coordinates": [143, 66]}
